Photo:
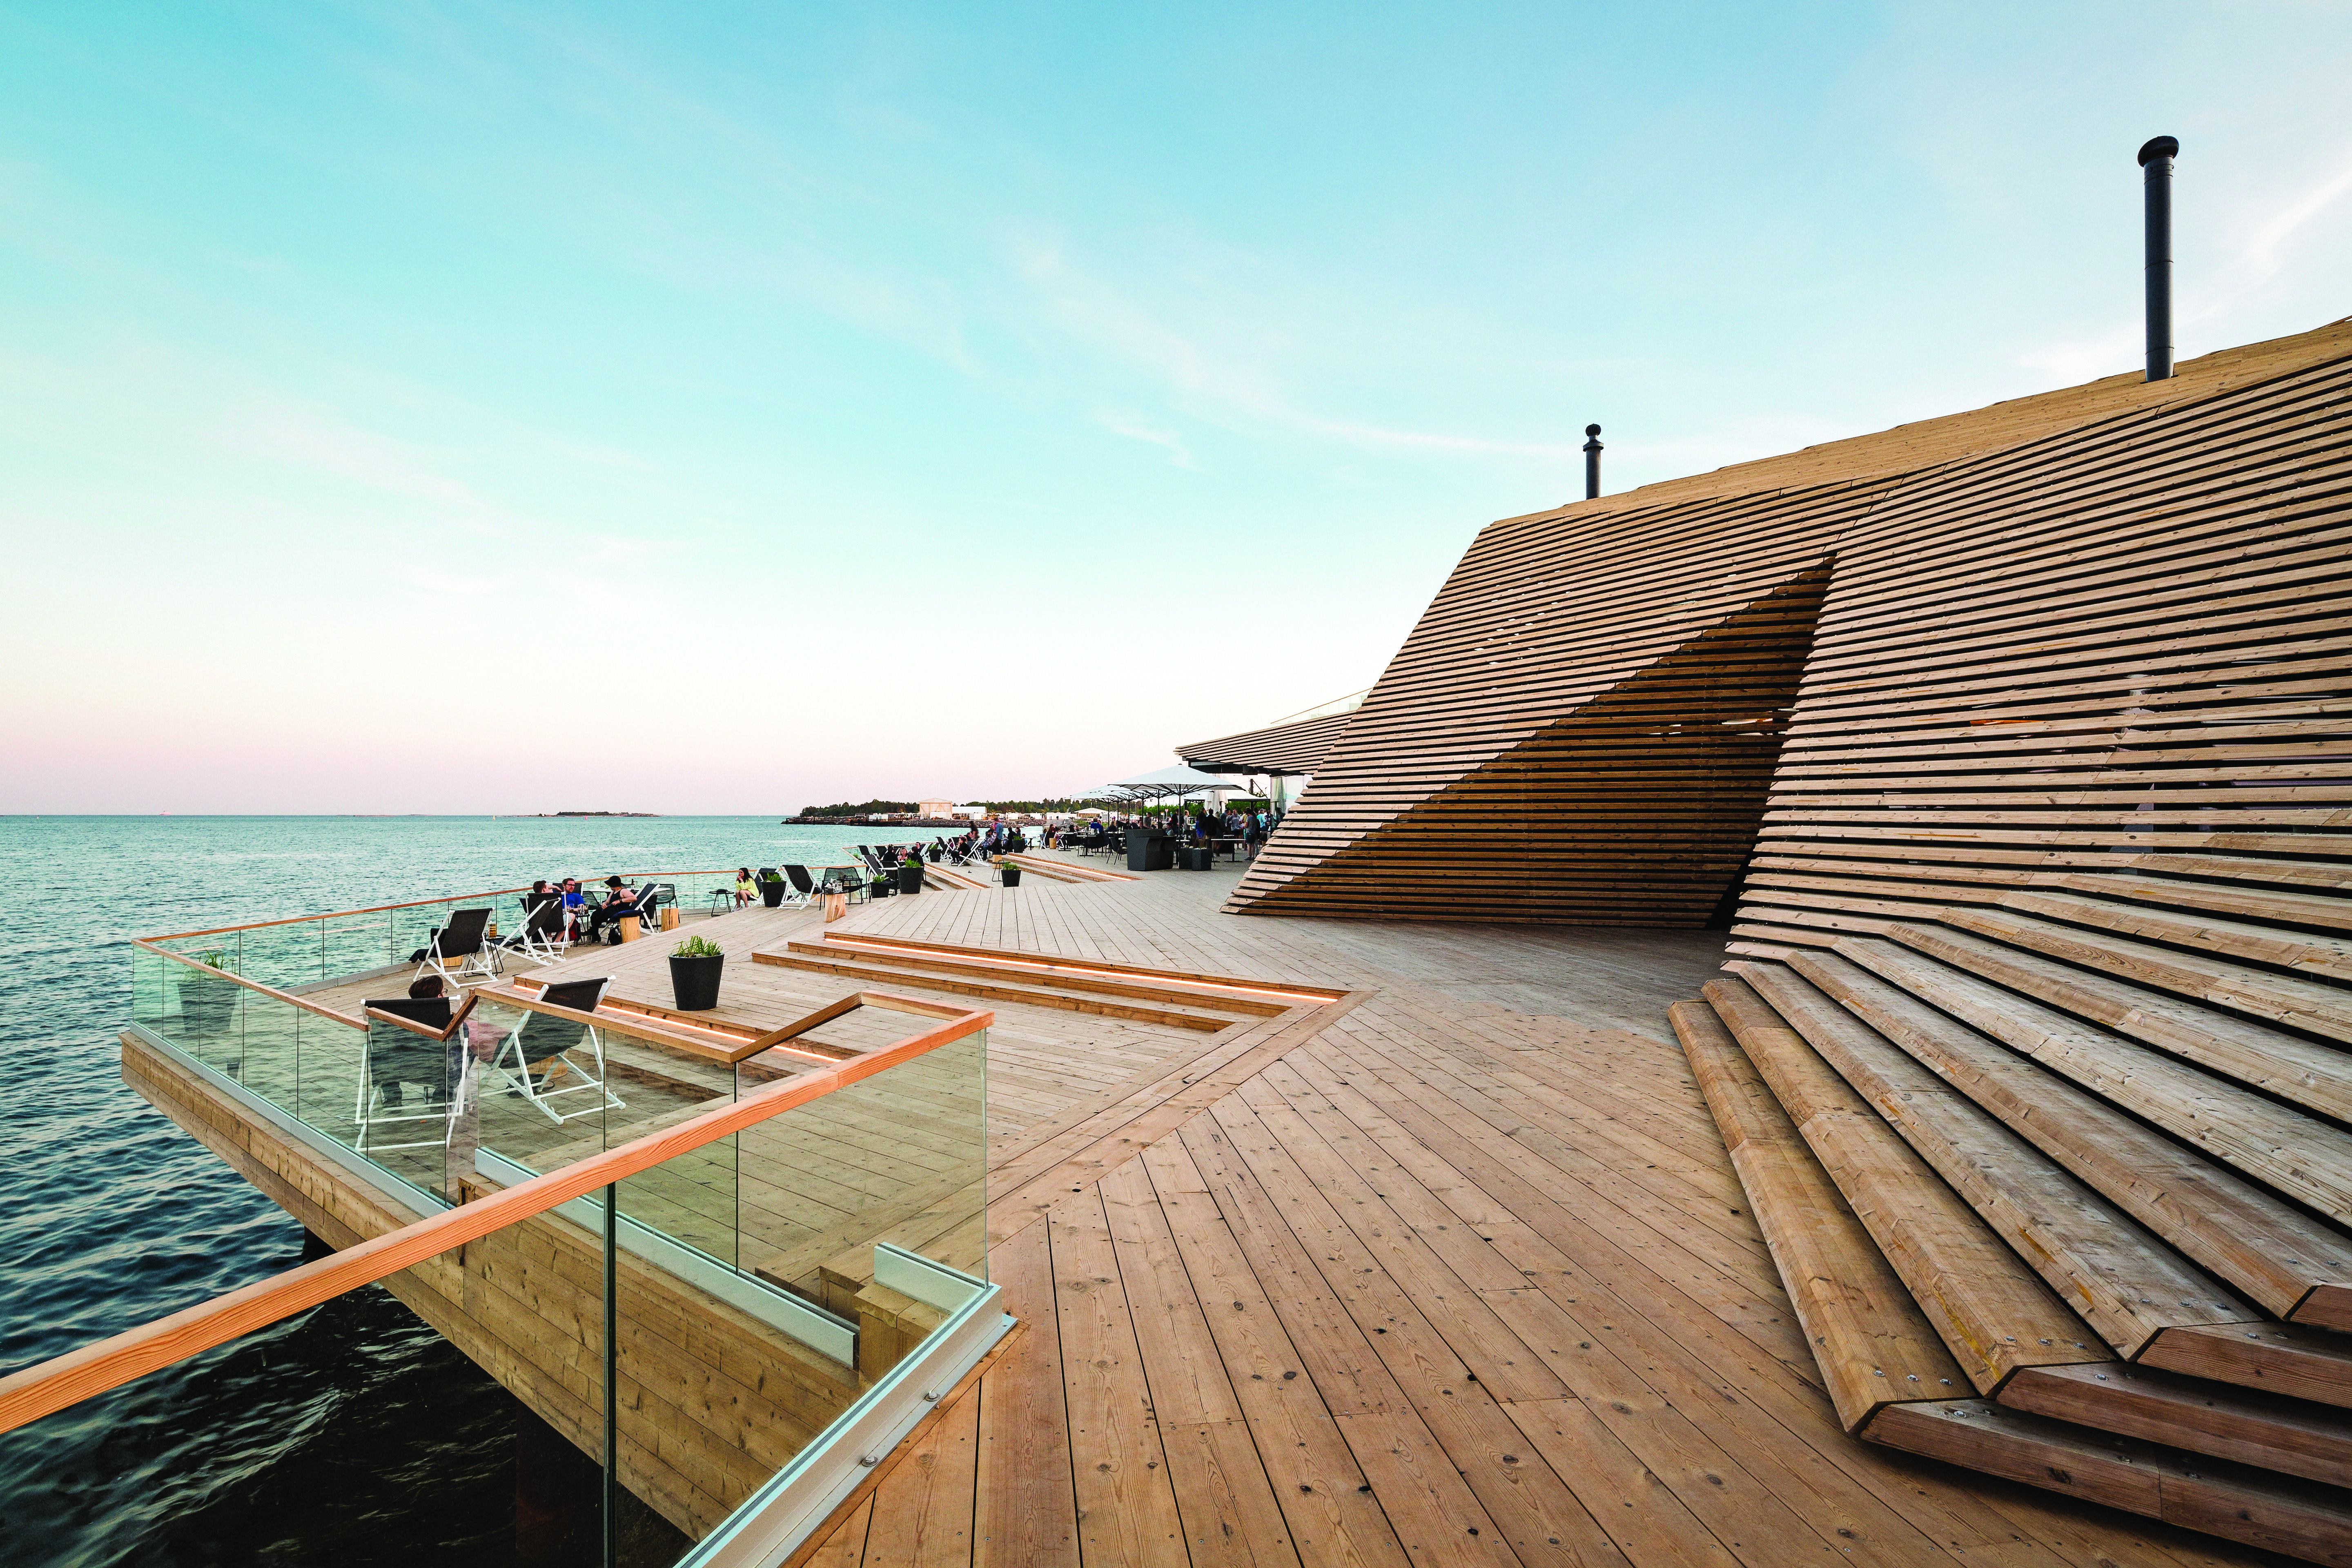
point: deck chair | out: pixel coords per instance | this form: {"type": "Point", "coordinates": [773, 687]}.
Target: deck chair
{"type": "Point", "coordinates": [555, 1062]}
{"type": "Point", "coordinates": [804, 889]}
{"type": "Point", "coordinates": [541, 939]}
{"type": "Point", "coordinates": [408, 1047]}
{"type": "Point", "coordinates": [460, 948]}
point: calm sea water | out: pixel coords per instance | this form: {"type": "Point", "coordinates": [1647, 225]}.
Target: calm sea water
{"type": "Point", "coordinates": [352, 1435]}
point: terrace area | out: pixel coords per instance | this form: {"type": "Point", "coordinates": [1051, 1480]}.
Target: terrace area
{"type": "Point", "coordinates": [1325, 1241]}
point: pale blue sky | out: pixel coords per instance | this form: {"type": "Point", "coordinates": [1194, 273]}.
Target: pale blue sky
{"type": "Point", "coordinates": [868, 357]}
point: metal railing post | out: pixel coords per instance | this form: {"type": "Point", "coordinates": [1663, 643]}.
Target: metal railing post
{"type": "Point", "coordinates": [611, 1361]}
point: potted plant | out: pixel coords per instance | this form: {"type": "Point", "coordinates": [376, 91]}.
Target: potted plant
{"type": "Point", "coordinates": [209, 996]}
{"type": "Point", "coordinates": [1010, 872]}
{"type": "Point", "coordinates": [910, 875]}
{"type": "Point", "coordinates": [881, 885]}
{"type": "Point", "coordinates": [772, 886]}
{"type": "Point", "coordinates": [694, 966]}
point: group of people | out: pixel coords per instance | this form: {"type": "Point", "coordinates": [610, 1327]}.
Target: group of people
{"type": "Point", "coordinates": [620, 900]}
{"type": "Point", "coordinates": [1249, 827]}
{"type": "Point", "coordinates": [996, 839]}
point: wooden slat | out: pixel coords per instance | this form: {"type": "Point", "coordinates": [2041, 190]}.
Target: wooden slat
{"type": "Point", "coordinates": [2270, 1434]}
{"type": "Point", "coordinates": [2315, 1076]}
{"type": "Point", "coordinates": [2245, 1505]}
{"type": "Point", "coordinates": [2281, 1147]}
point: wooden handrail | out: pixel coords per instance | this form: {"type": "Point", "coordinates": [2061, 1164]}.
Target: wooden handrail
{"type": "Point", "coordinates": [270, 990]}
{"type": "Point", "coordinates": [415, 904]}
{"type": "Point", "coordinates": [79, 1374]}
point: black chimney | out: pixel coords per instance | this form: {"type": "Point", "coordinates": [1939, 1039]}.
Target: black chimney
{"type": "Point", "coordinates": [2157, 159]}
{"type": "Point", "coordinates": [1591, 461]}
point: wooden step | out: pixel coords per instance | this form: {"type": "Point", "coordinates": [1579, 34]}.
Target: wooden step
{"type": "Point", "coordinates": [1873, 1344]}
{"type": "Point", "coordinates": [2313, 1075]}
{"type": "Point", "coordinates": [2291, 1265]}
{"type": "Point", "coordinates": [2319, 955]}
{"type": "Point", "coordinates": [1298, 995]}
{"type": "Point", "coordinates": [2298, 1003]}
{"type": "Point", "coordinates": [1872, 1341]}
{"type": "Point", "coordinates": [2308, 1364]}
{"type": "Point", "coordinates": [1992, 1312]}
{"type": "Point", "coordinates": [2232, 1501]}
{"type": "Point", "coordinates": [2126, 1283]}
{"type": "Point", "coordinates": [892, 975]}
{"type": "Point", "coordinates": [2245, 1427]}
{"type": "Point", "coordinates": [2266, 905]}
{"type": "Point", "coordinates": [846, 947]}
{"type": "Point", "coordinates": [950, 878]}
{"type": "Point", "coordinates": [2286, 1150]}
{"type": "Point", "coordinates": [1069, 870]}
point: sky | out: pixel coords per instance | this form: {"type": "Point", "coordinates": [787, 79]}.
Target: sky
{"type": "Point", "coordinates": [499, 409]}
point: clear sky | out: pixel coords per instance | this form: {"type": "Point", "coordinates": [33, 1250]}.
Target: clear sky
{"type": "Point", "coordinates": [733, 408]}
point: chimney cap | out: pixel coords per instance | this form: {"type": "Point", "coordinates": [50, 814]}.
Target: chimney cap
{"type": "Point", "coordinates": [2158, 147]}
{"type": "Point", "coordinates": [1592, 429]}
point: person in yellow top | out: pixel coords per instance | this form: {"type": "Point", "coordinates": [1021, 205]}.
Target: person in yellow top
{"type": "Point", "coordinates": [746, 890]}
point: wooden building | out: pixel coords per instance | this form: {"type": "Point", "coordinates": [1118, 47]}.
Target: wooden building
{"type": "Point", "coordinates": [2015, 751]}
{"type": "Point", "coordinates": [1586, 722]}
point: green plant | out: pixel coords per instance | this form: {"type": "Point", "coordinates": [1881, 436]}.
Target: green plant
{"type": "Point", "coordinates": [216, 958]}
{"type": "Point", "coordinates": [695, 947]}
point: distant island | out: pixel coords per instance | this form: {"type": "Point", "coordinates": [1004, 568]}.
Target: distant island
{"type": "Point", "coordinates": [600, 814]}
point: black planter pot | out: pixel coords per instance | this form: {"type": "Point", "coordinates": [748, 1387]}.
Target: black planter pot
{"type": "Point", "coordinates": [910, 878]}
{"type": "Point", "coordinates": [881, 888]}
{"type": "Point", "coordinates": [1012, 876]}
{"type": "Point", "coordinates": [771, 893]}
{"type": "Point", "coordinates": [695, 981]}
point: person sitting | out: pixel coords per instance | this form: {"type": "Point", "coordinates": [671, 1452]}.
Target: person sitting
{"type": "Point", "coordinates": [620, 903]}
{"type": "Point", "coordinates": [747, 891]}
{"type": "Point", "coordinates": [575, 905]}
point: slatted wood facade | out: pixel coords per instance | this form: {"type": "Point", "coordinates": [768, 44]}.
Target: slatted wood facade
{"type": "Point", "coordinates": [2036, 1065]}
{"type": "Point", "coordinates": [1298, 747]}
{"type": "Point", "coordinates": [1464, 788]}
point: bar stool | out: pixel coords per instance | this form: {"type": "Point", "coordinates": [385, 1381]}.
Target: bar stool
{"type": "Point", "coordinates": [722, 900]}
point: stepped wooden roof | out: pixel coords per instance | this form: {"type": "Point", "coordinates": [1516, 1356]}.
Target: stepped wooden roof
{"type": "Point", "coordinates": [1546, 737]}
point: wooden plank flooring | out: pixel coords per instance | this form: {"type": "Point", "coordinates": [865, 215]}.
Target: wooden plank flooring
{"type": "Point", "coordinates": [1042, 1062]}
{"type": "Point", "coordinates": [1456, 1271]}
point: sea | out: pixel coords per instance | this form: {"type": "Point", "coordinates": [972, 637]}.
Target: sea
{"type": "Point", "coordinates": [352, 1434]}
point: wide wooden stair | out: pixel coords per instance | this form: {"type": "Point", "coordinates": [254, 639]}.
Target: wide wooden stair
{"type": "Point", "coordinates": [2060, 1188]}
{"type": "Point", "coordinates": [1208, 1003]}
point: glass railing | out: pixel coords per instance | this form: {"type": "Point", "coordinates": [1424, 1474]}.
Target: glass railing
{"type": "Point", "coordinates": [508, 1083]}
{"type": "Point", "coordinates": [793, 1272]}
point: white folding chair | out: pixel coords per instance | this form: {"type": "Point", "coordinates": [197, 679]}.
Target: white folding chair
{"type": "Point", "coordinates": [550, 1062]}
{"type": "Point", "coordinates": [461, 948]}
{"type": "Point", "coordinates": [542, 940]}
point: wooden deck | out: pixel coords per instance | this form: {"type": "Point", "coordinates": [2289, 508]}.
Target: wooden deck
{"type": "Point", "coordinates": [1453, 1270]}
{"type": "Point", "coordinates": [1042, 1062]}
